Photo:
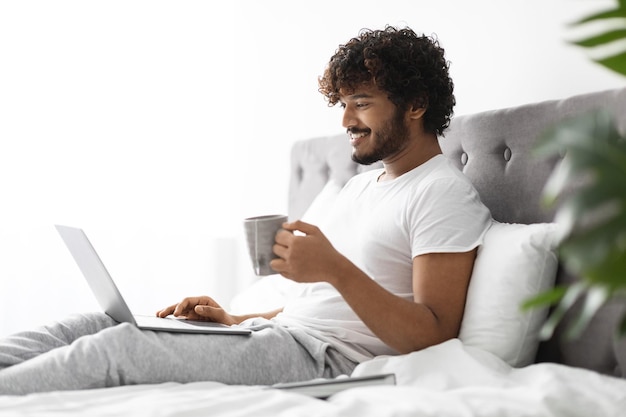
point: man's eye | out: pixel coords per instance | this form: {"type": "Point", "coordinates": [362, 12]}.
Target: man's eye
{"type": "Point", "coordinates": [361, 105]}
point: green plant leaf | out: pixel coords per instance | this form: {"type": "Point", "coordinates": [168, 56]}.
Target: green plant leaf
{"type": "Point", "coordinates": [595, 213]}
{"type": "Point", "coordinates": [615, 63]}
{"type": "Point", "coordinates": [609, 272]}
{"type": "Point", "coordinates": [593, 247]}
{"type": "Point", "coordinates": [611, 36]}
{"type": "Point", "coordinates": [595, 297]}
{"type": "Point", "coordinates": [608, 14]}
{"type": "Point", "coordinates": [572, 294]}
{"type": "Point", "coordinates": [594, 204]}
{"type": "Point", "coordinates": [574, 133]}
{"type": "Point", "coordinates": [589, 184]}
{"type": "Point", "coordinates": [557, 182]}
{"type": "Point", "coordinates": [593, 151]}
{"type": "Point", "coordinates": [590, 187]}
{"type": "Point", "coordinates": [546, 298]}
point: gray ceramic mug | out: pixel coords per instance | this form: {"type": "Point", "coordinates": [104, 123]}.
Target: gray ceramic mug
{"type": "Point", "coordinates": [260, 236]}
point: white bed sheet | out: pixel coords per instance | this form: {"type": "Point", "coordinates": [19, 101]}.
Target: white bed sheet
{"type": "Point", "coordinates": [445, 380]}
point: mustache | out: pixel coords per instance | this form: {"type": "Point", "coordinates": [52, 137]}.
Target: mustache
{"type": "Point", "coordinates": [357, 130]}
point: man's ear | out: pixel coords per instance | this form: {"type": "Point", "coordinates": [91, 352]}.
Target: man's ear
{"type": "Point", "coordinates": [417, 112]}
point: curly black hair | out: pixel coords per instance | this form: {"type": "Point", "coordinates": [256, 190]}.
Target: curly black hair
{"type": "Point", "coordinates": [411, 68]}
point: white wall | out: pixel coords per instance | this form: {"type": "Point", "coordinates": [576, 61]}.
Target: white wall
{"type": "Point", "coordinates": [158, 125]}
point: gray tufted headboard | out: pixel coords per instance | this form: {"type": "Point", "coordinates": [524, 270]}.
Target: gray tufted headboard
{"type": "Point", "coordinates": [493, 149]}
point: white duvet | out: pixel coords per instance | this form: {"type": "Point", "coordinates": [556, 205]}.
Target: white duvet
{"type": "Point", "coordinates": [444, 380]}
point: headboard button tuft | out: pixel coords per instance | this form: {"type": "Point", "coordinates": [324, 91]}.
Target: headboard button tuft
{"type": "Point", "coordinates": [507, 154]}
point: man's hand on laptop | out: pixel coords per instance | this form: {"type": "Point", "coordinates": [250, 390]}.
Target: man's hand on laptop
{"type": "Point", "coordinates": [199, 308]}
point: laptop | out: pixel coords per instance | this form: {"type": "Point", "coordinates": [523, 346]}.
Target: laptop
{"type": "Point", "coordinates": [111, 301]}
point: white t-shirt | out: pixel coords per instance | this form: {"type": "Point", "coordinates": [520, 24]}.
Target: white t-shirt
{"type": "Point", "coordinates": [381, 227]}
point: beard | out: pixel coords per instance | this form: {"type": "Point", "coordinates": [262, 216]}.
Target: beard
{"type": "Point", "coordinates": [387, 141]}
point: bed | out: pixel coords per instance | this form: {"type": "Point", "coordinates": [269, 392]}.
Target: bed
{"type": "Point", "coordinates": [497, 366]}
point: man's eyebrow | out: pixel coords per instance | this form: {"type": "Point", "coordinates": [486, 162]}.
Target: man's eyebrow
{"type": "Point", "coordinates": [359, 96]}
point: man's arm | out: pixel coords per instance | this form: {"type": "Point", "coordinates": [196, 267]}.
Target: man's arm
{"type": "Point", "coordinates": [205, 308]}
{"type": "Point", "coordinates": [440, 283]}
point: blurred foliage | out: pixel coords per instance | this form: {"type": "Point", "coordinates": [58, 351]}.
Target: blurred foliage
{"type": "Point", "coordinates": [613, 35]}
{"type": "Point", "coordinates": [589, 188]}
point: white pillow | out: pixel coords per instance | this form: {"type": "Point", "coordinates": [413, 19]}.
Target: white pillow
{"type": "Point", "coordinates": [515, 262]}
{"type": "Point", "coordinates": [323, 201]}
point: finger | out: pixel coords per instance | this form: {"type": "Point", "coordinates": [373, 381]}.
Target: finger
{"type": "Point", "coordinates": [192, 315]}
{"type": "Point", "coordinates": [300, 226]}
{"type": "Point", "coordinates": [181, 307]}
{"type": "Point", "coordinates": [205, 311]}
{"type": "Point", "coordinates": [166, 311]}
{"type": "Point", "coordinates": [280, 250]}
{"type": "Point", "coordinates": [217, 315]}
{"type": "Point", "coordinates": [283, 237]}
{"type": "Point", "coordinates": [186, 305]}
{"type": "Point", "coordinates": [278, 265]}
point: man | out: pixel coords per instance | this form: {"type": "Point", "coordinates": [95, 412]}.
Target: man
{"type": "Point", "coordinates": [386, 274]}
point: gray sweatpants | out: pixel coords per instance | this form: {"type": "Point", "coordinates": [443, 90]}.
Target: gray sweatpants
{"type": "Point", "coordinates": [93, 351]}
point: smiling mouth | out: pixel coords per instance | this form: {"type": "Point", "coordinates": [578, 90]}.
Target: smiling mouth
{"type": "Point", "coordinates": [357, 137]}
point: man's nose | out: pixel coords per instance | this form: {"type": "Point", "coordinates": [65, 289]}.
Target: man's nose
{"type": "Point", "coordinates": [348, 119]}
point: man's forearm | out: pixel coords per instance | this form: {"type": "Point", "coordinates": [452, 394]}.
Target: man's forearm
{"type": "Point", "coordinates": [268, 315]}
{"type": "Point", "coordinates": [440, 282]}
{"type": "Point", "coordinates": [403, 325]}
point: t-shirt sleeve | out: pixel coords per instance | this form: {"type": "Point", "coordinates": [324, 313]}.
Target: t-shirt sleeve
{"type": "Point", "coordinates": [447, 216]}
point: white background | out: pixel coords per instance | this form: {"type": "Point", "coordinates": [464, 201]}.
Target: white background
{"type": "Point", "coordinates": [158, 125]}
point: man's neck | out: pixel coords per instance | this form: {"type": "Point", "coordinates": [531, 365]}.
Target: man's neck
{"type": "Point", "coordinates": [415, 154]}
